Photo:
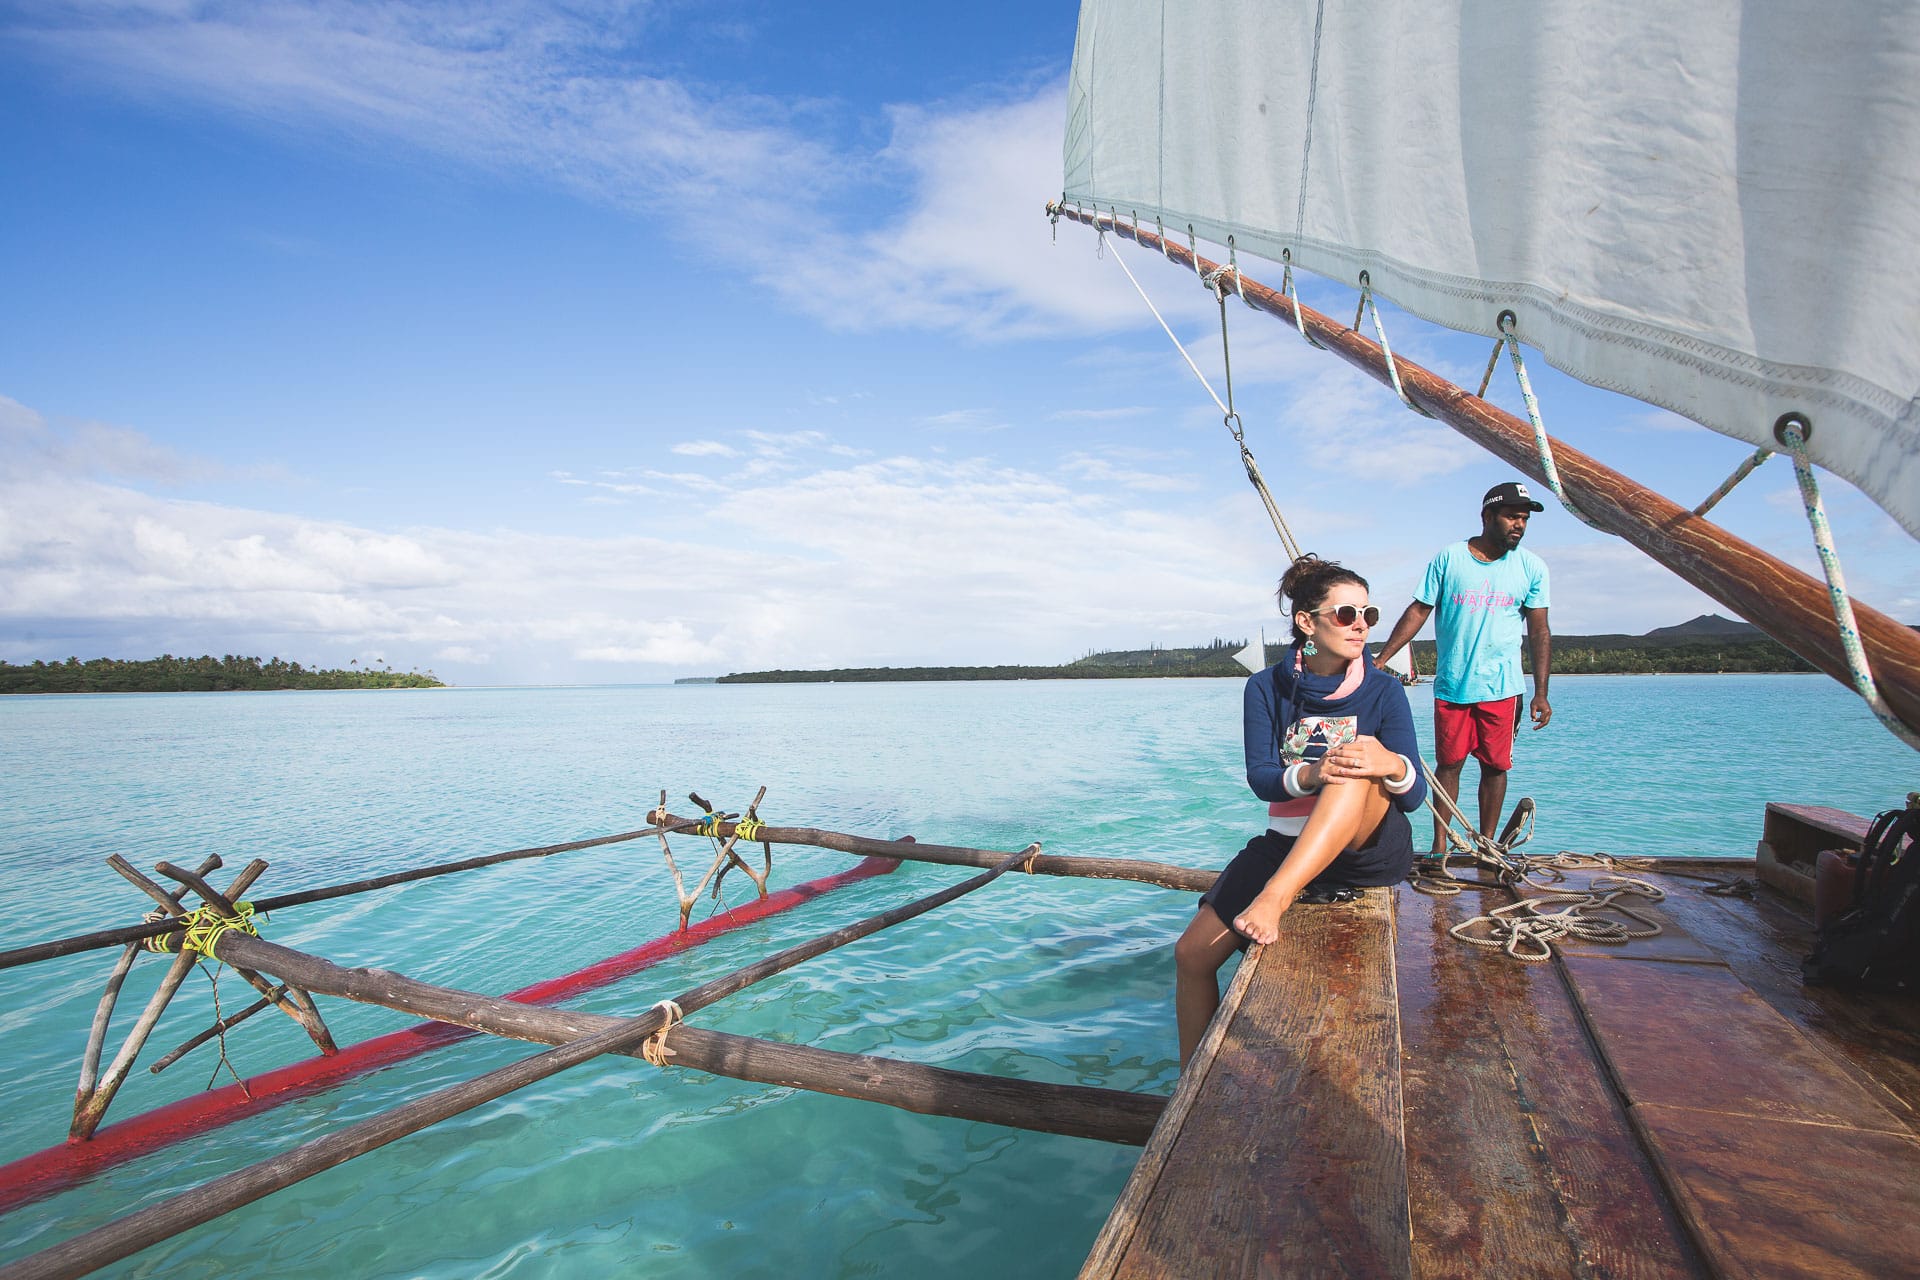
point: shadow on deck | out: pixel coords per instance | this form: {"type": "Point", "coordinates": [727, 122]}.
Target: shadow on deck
{"type": "Point", "coordinates": [1377, 1099]}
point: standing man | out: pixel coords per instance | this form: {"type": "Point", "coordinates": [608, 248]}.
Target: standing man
{"type": "Point", "coordinates": [1482, 587]}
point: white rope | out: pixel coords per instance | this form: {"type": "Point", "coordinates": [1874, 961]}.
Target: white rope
{"type": "Point", "coordinates": [1232, 419]}
{"type": "Point", "coordinates": [1367, 304]}
{"type": "Point", "coordinates": [1169, 331]}
{"type": "Point", "coordinates": [1542, 446]}
{"type": "Point", "coordinates": [1740, 473]}
{"type": "Point", "coordinates": [1792, 431]}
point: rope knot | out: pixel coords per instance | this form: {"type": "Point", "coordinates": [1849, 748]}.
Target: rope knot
{"type": "Point", "coordinates": [749, 828]}
{"type": "Point", "coordinates": [655, 1049]}
{"type": "Point", "coordinates": [204, 927]}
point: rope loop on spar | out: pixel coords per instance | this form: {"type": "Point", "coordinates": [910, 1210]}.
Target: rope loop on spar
{"type": "Point", "coordinates": [204, 927]}
{"type": "Point", "coordinates": [709, 826]}
{"type": "Point", "coordinates": [748, 828]}
{"type": "Point", "coordinates": [1293, 297]}
{"type": "Point", "coordinates": [1740, 473]}
{"type": "Point", "coordinates": [655, 1050]}
{"type": "Point", "coordinates": [1793, 430]}
{"type": "Point", "coordinates": [1367, 304]}
{"type": "Point", "coordinates": [1507, 324]}
{"type": "Point", "coordinates": [1228, 415]}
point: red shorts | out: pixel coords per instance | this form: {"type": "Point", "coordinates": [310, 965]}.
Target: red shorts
{"type": "Point", "coordinates": [1483, 730]}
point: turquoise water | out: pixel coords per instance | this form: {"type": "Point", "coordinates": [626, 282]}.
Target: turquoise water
{"type": "Point", "coordinates": [617, 1167]}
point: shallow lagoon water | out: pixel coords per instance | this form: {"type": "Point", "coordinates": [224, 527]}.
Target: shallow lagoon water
{"type": "Point", "coordinates": [616, 1167]}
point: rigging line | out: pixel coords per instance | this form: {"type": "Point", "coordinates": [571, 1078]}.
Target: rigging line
{"type": "Point", "coordinates": [1232, 419]}
{"type": "Point", "coordinates": [1542, 446]}
{"type": "Point", "coordinates": [1740, 473]}
{"type": "Point", "coordinates": [1792, 430]}
{"type": "Point", "coordinates": [1369, 306]}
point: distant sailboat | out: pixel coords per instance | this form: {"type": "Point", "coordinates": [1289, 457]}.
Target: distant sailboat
{"type": "Point", "coordinates": [1254, 656]}
{"type": "Point", "coordinates": [1401, 664]}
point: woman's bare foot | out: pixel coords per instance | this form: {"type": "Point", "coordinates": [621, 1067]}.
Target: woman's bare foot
{"type": "Point", "coordinates": [1261, 920]}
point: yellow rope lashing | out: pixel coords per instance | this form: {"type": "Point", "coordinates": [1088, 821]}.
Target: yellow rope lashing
{"type": "Point", "coordinates": [205, 925]}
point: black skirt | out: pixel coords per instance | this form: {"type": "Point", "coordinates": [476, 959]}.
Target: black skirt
{"type": "Point", "coordinates": [1385, 859]}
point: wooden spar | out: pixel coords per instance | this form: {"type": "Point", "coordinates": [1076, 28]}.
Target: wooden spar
{"type": "Point", "coordinates": [1166, 875]}
{"type": "Point", "coordinates": [103, 1012]}
{"type": "Point", "coordinates": [129, 1235]}
{"type": "Point", "coordinates": [91, 1100]}
{"type": "Point", "coordinates": [1788, 605]}
{"type": "Point", "coordinates": [139, 932]}
{"type": "Point", "coordinates": [1074, 1111]}
{"type": "Point", "coordinates": [221, 1027]}
{"type": "Point", "coordinates": [534, 1022]}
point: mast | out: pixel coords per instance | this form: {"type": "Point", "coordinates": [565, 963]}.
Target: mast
{"type": "Point", "coordinates": [1788, 605]}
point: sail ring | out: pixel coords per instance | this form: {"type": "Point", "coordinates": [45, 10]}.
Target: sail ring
{"type": "Point", "coordinates": [1788, 422]}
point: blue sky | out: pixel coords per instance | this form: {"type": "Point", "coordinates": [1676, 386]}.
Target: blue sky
{"type": "Point", "coordinates": [625, 341]}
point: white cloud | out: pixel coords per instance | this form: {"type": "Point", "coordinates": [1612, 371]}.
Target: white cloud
{"type": "Point", "coordinates": [705, 449]}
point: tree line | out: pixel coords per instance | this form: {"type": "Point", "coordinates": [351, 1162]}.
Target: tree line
{"type": "Point", "coordinates": [205, 674]}
{"type": "Point", "coordinates": [1572, 655]}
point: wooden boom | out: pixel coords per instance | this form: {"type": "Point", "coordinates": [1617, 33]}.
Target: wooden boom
{"type": "Point", "coordinates": [1787, 604]}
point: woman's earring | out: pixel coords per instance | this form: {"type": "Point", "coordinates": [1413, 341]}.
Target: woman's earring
{"type": "Point", "coordinates": [1308, 648]}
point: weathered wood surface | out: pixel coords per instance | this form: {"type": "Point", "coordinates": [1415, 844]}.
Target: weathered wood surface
{"type": "Point", "coordinates": [1762, 941]}
{"type": "Point", "coordinates": [1780, 1159]}
{"type": "Point", "coordinates": [1291, 1160]}
{"type": "Point", "coordinates": [1792, 607]}
{"type": "Point", "coordinates": [1078, 1111]}
{"type": "Point", "coordinates": [1520, 1161]}
{"type": "Point", "coordinates": [1166, 875]}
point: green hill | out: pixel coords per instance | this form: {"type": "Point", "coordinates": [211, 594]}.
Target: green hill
{"type": "Point", "coordinates": [1704, 645]}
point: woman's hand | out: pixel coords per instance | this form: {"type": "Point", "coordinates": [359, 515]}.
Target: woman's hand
{"type": "Point", "coordinates": [1364, 757]}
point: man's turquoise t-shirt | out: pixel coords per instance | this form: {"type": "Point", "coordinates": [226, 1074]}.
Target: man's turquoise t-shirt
{"type": "Point", "coordinates": [1477, 620]}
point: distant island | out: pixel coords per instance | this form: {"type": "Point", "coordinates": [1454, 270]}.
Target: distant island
{"type": "Point", "coordinates": [1707, 644]}
{"type": "Point", "coordinates": [205, 674]}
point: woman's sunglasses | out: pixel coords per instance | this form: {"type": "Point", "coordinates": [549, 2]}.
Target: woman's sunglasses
{"type": "Point", "coordinates": [1346, 614]}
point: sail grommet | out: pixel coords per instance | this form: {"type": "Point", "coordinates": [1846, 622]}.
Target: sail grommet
{"type": "Point", "coordinates": [1789, 424]}
{"type": "Point", "coordinates": [1506, 322]}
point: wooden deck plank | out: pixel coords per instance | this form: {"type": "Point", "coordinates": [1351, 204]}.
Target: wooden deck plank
{"type": "Point", "coordinates": [1291, 1160]}
{"type": "Point", "coordinates": [1762, 941]}
{"type": "Point", "coordinates": [1779, 1198]}
{"type": "Point", "coordinates": [1520, 1161]}
{"type": "Point", "coordinates": [1695, 1036]}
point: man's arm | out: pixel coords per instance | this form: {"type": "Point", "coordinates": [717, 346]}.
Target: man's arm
{"type": "Point", "coordinates": [1540, 650]}
{"type": "Point", "coordinates": [1404, 630]}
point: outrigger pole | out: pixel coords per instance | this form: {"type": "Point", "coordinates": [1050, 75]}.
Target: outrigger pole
{"type": "Point", "coordinates": [1788, 605]}
{"type": "Point", "coordinates": [1073, 1109]}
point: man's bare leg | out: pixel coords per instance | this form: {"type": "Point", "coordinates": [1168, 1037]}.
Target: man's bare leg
{"type": "Point", "coordinates": [1493, 798]}
{"type": "Point", "coordinates": [1447, 778]}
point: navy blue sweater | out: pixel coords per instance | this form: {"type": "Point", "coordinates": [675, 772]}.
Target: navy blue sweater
{"type": "Point", "coordinates": [1279, 698]}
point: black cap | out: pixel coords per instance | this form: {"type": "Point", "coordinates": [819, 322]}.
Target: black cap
{"type": "Point", "coordinates": [1510, 494]}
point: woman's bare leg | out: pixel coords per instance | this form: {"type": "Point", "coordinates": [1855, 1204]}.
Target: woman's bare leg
{"type": "Point", "coordinates": [1197, 958]}
{"type": "Point", "coordinates": [1343, 817]}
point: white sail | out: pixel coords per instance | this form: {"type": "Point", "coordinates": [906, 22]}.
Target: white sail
{"type": "Point", "coordinates": [1713, 207]}
{"type": "Point", "coordinates": [1254, 656]}
{"type": "Point", "coordinates": [1400, 663]}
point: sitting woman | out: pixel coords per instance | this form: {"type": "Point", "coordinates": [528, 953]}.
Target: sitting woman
{"type": "Point", "coordinates": [1330, 747]}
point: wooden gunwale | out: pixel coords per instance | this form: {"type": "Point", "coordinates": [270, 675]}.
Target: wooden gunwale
{"type": "Point", "coordinates": [1788, 605]}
